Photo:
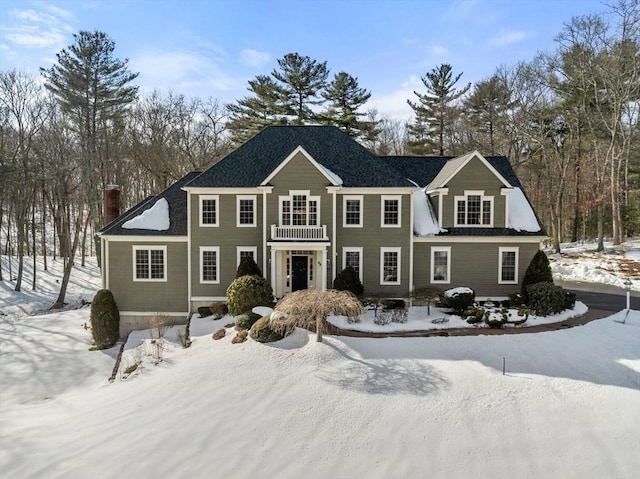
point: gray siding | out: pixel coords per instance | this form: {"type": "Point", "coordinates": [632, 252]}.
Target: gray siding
{"type": "Point", "coordinates": [160, 296]}
{"type": "Point", "coordinates": [299, 174]}
{"type": "Point", "coordinates": [474, 265]}
{"type": "Point", "coordinates": [474, 176]}
{"type": "Point", "coordinates": [371, 237]}
{"type": "Point", "coordinates": [227, 236]}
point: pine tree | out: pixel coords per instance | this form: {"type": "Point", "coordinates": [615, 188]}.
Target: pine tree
{"type": "Point", "coordinates": [250, 114]}
{"type": "Point", "coordinates": [435, 110]}
{"type": "Point", "coordinates": [486, 107]}
{"type": "Point", "coordinates": [302, 80]}
{"type": "Point", "coordinates": [93, 89]}
{"type": "Point", "coordinates": [345, 98]}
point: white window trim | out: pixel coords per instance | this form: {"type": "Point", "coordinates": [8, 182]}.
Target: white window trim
{"type": "Point", "coordinates": [289, 198]}
{"type": "Point", "coordinates": [253, 198]}
{"type": "Point", "coordinates": [240, 249]}
{"type": "Point", "coordinates": [360, 198]}
{"type": "Point", "coordinates": [435, 249]}
{"type": "Point", "coordinates": [349, 249]}
{"type": "Point", "coordinates": [209, 197]}
{"type": "Point", "coordinates": [390, 250]}
{"type": "Point", "coordinates": [391, 197]}
{"type": "Point", "coordinates": [465, 198]}
{"type": "Point", "coordinates": [149, 248]}
{"type": "Point", "coordinates": [506, 249]}
{"type": "Point", "coordinates": [217, 250]}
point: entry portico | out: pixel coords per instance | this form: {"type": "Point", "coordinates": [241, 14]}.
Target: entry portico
{"type": "Point", "coordinates": [298, 265]}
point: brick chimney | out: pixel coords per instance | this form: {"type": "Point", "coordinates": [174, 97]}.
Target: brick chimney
{"type": "Point", "coordinates": [111, 203]}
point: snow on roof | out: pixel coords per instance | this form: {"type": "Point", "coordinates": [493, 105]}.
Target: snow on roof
{"type": "Point", "coordinates": [155, 218]}
{"type": "Point", "coordinates": [335, 178]}
{"type": "Point", "coordinates": [521, 216]}
{"type": "Point", "coordinates": [425, 222]}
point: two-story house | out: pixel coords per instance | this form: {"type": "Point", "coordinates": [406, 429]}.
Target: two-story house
{"type": "Point", "coordinates": [306, 201]}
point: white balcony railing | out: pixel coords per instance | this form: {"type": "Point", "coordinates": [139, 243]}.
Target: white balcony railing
{"type": "Point", "coordinates": [299, 233]}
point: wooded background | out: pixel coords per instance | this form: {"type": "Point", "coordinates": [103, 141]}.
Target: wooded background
{"type": "Point", "coordinates": [566, 119]}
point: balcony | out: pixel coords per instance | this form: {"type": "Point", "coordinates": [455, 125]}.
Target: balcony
{"type": "Point", "coordinates": [299, 233]}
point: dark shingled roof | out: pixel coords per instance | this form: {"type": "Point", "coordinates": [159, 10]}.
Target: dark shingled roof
{"type": "Point", "coordinates": [253, 161]}
{"type": "Point", "coordinates": [177, 199]}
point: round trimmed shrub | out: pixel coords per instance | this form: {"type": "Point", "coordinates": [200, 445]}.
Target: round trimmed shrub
{"type": "Point", "coordinates": [246, 320]}
{"type": "Point", "coordinates": [247, 292]}
{"type": "Point", "coordinates": [348, 280]}
{"type": "Point", "coordinates": [105, 319]}
{"type": "Point", "coordinates": [261, 331]}
{"type": "Point", "coordinates": [248, 267]}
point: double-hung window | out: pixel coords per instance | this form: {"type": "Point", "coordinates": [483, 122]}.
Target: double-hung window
{"type": "Point", "coordinates": [210, 264]}
{"type": "Point", "coordinates": [352, 211]}
{"type": "Point", "coordinates": [390, 265]}
{"type": "Point", "coordinates": [352, 256]}
{"type": "Point", "coordinates": [508, 265]}
{"type": "Point", "coordinates": [390, 211]}
{"type": "Point", "coordinates": [299, 209]}
{"type": "Point", "coordinates": [209, 210]}
{"type": "Point", "coordinates": [150, 263]}
{"type": "Point", "coordinates": [441, 264]}
{"type": "Point", "coordinates": [246, 210]}
{"type": "Point", "coordinates": [474, 209]}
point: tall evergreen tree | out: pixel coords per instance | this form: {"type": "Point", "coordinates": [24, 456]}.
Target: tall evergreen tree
{"type": "Point", "coordinates": [93, 88]}
{"type": "Point", "coordinates": [345, 98]}
{"type": "Point", "coordinates": [302, 80]}
{"type": "Point", "coordinates": [486, 107]}
{"type": "Point", "coordinates": [435, 109]}
{"type": "Point", "coordinates": [250, 114]}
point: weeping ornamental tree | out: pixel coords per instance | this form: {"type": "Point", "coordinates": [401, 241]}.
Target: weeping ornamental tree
{"type": "Point", "coordinates": [309, 309]}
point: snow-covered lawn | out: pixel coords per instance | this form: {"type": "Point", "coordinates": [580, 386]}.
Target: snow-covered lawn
{"type": "Point", "coordinates": [439, 407]}
{"type": "Point", "coordinates": [569, 405]}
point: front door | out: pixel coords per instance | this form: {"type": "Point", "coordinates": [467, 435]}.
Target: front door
{"type": "Point", "coordinates": [300, 275]}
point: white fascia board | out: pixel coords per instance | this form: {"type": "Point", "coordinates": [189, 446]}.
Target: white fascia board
{"type": "Point", "coordinates": [148, 239]}
{"type": "Point", "coordinates": [478, 239]}
{"type": "Point", "coordinates": [284, 163]}
{"type": "Point", "coordinates": [201, 190]}
{"type": "Point", "coordinates": [466, 159]}
{"type": "Point", "coordinates": [406, 190]}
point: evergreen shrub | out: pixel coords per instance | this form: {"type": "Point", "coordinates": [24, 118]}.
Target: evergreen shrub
{"type": "Point", "coordinates": [246, 320]}
{"type": "Point", "coordinates": [539, 271]}
{"type": "Point", "coordinates": [261, 331]}
{"type": "Point", "coordinates": [458, 301]}
{"type": "Point", "coordinates": [204, 311]}
{"type": "Point", "coordinates": [569, 300]}
{"type": "Point", "coordinates": [247, 292]}
{"type": "Point", "coordinates": [546, 298]}
{"type": "Point", "coordinates": [248, 267]}
{"type": "Point", "coordinates": [105, 319]}
{"type": "Point", "coordinates": [348, 280]}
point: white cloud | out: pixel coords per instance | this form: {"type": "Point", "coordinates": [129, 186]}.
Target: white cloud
{"type": "Point", "coordinates": [508, 37]}
{"type": "Point", "coordinates": [394, 104]}
{"type": "Point", "coordinates": [179, 71]}
{"type": "Point", "coordinates": [253, 58]}
{"type": "Point", "coordinates": [29, 28]}
{"type": "Point", "coordinates": [439, 50]}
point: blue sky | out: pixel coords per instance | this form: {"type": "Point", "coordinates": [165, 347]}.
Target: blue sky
{"type": "Point", "coordinates": [211, 48]}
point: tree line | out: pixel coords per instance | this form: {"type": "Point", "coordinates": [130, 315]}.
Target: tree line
{"type": "Point", "coordinates": [567, 120]}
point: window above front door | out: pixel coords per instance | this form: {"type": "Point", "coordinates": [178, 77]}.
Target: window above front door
{"type": "Point", "coordinates": [299, 208]}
